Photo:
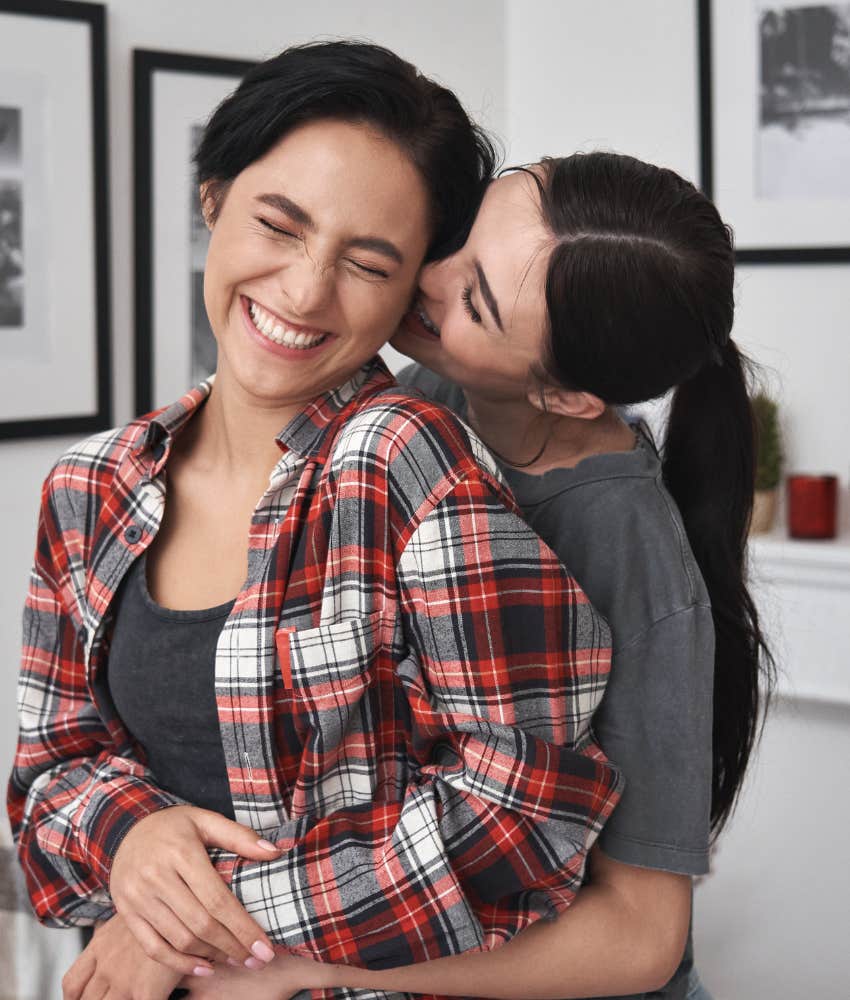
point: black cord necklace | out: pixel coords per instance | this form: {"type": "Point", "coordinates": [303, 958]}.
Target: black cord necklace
{"type": "Point", "coordinates": [518, 465]}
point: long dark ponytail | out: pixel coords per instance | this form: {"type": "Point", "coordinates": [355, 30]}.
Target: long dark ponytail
{"type": "Point", "coordinates": [709, 468]}
{"type": "Point", "coordinates": [639, 294]}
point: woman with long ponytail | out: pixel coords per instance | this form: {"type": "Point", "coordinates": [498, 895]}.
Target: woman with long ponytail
{"type": "Point", "coordinates": [587, 285]}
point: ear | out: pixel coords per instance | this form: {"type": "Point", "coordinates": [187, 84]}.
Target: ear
{"type": "Point", "coordinates": [567, 402]}
{"type": "Point", "coordinates": [208, 203]}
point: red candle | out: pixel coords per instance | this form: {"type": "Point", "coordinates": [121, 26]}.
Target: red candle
{"type": "Point", "coordinates": [812, 503]}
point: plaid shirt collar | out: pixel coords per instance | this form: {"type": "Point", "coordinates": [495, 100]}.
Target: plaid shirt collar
{"type": "Point", "coordinates": [305, 434]}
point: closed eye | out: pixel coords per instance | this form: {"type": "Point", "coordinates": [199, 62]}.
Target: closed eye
{"type": "Point", "coordinates": [373, 272]}
{"type": "Point", "coordinates": [276, 229]}
{"type": "Point", "coordinates": [472, 312]}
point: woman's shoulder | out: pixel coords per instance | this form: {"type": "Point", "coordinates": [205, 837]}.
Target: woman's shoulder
{"type": "Point", "coordinates": [433, 386]}
{"type": "Point", "coordinates": [88, 468]}
{"type": "Point", "coordinates": [415, 442]}
{"type": "Point", "coordinates": [615, 524]}
{"type": "Point", "coordinates": [653, 547]}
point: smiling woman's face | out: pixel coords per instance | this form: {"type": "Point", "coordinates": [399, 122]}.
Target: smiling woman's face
{"type": "Point", "coordinates": [313, 259]}
{"type": "Point", "coordinates": [480, 316]}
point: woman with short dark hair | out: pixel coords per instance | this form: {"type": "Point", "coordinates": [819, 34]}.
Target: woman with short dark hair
{"type": "Point", "coordinates": [301, 598]}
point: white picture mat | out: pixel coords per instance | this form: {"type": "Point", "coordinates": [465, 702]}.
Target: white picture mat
{"type": "Point", "coordinates": [178, 101]}
{"type": "Point", "coordinates": [60, 379]}
{"type": "Point", "coordinates": [758, 223]}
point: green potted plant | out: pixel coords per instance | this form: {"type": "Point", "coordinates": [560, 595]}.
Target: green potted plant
{"type": "Point", "coordinates": [768, 462]}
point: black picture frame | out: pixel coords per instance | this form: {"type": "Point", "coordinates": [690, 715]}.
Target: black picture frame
{"type": "Point", "coordinates": [146, 64]}
{"type": "Point", "coordinates": [99, 415]}
{"type": "Point", "coordinates": [829, 254]}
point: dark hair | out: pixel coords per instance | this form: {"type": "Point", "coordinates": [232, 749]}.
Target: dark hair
{"type": "Point", "coordinates": [639, 294]}
{"type": "Point", "coordinates": [359, 83]}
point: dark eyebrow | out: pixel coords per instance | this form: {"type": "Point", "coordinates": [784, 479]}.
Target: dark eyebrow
{"type": "Point", "coordinates": [288, 207]}
{"type": "Point", "coordinates": [379, 246]}
{"type": "Point", "coordinates": [488, 296]}
{"type": "Point", "coordinates": [297, 214]}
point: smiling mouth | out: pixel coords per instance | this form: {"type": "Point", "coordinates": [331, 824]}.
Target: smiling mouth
{"type": "Point", "coordinates": [276, 329]}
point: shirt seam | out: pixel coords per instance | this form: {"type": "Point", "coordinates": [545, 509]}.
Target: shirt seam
{"type": "Point", "coordinates": [693, 606]}
{"type": "Point", "coordinates": [678, 527]}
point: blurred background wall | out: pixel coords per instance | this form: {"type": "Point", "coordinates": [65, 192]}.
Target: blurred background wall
{"type": "Point", "coordinates": [553, 76]}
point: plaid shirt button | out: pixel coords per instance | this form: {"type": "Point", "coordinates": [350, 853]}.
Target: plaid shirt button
{"type": "Point", "coordinates": [132, 534]}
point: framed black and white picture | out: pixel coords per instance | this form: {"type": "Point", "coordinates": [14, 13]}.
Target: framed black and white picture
{"type": "Point", "coordinates": [54, 242]}
{"type": "Point", "coordinates": [775, 125]}
{"type": "Point", "coordinates": [174, 95]}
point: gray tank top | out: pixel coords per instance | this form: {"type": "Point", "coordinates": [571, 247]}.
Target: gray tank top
{"type": "Point", "coordinates": [161, 676]}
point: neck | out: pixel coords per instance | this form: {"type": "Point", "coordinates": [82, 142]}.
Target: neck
{"type": "Point", "coordinates": [235, 433]}
{"type": "Point", "coordinates": [524, 437]}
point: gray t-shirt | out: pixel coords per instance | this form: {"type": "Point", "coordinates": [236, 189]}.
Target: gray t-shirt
{"type": "Point", "coordinates": [612, 522]}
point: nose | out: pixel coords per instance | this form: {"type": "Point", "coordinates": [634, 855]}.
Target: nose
{"type": "Point", "coordinates": [433, 279]}
{"type": "Point", "coordinates": [308, 285]}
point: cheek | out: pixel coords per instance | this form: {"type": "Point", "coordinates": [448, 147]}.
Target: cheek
{"type": "Point", "coordinates": [462, 339]}
{"type": "Point", "coordinates": [378, 310]}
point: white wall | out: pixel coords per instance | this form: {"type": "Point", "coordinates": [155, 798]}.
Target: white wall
{"type": "Point", "coordinates": [771, 921]}
{"type": "Point", "coordinates": [602, 74]}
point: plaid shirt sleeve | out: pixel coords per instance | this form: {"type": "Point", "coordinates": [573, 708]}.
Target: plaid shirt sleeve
{"type": "Point", "coordinates": [506, 663]}
{"type": "Point", "coordinates": [71, 796]}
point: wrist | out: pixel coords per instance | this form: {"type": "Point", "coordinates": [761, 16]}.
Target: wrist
{"type": "Point", "coordinates": [310, 973]}
{"type": "Point", "coordinates": [122, 827]}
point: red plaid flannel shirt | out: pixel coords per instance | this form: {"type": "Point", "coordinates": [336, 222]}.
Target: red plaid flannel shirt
{"type": "Point", "coordinates": [404, 688]}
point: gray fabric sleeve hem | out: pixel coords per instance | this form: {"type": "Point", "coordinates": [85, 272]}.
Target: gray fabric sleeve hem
{"type": "Point", "coordinates": [662, 857]}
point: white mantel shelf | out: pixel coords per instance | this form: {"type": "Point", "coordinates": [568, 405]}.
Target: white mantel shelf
{"type": "Point", "coordinates": [803, 592]}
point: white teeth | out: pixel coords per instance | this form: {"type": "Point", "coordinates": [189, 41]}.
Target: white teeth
{"type": "Point", "coordinates": [427, 322]}
{"type": "Point", "coordinates": [278, 333]}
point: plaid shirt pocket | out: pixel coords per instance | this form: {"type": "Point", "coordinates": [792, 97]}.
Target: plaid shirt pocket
{"type": "Point", "coordinates": [332, 673]}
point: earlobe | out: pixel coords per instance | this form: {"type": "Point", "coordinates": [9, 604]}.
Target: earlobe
{"type": "Point", "coordinates": [567, 403]}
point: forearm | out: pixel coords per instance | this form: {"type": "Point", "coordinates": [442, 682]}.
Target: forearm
{"type": "Point", "coordinates": [602, 946]}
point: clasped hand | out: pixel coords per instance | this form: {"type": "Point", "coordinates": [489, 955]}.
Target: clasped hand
{"type": "Point", "coordinates": [175, 903]}
{"type": "Point", "coordinates": [114, 967]}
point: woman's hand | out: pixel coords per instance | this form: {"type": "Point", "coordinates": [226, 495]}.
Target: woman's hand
{"type": "Point", "coordinates": [279, 980]}
{"type": "Point", "coordinates": [114, 967]}
{"type": "Point", "coordinates": [174, 901]}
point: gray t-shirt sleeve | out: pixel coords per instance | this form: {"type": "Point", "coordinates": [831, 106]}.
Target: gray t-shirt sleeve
{"type": "Point", "coordinates": [655, 722]}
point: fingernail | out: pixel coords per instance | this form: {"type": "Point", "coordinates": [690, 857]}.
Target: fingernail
{"type": "Point", "coordinates": [254, 963]}
{"type": "Point", "coordinates": [262, 951]}
{"type": "Point", "coordinates": [202, 970]}
{"type": "Point", "coordinates": [267, 845]}
{"type": "Point", "coordinates": [232, 962]}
